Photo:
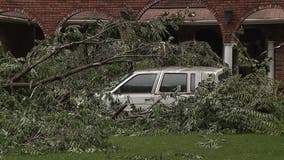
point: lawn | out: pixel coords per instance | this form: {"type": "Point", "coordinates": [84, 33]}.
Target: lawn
{"type": "Point", "coordinates": [171, 147]}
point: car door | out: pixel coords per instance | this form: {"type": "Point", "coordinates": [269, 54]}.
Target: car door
{"type": "Point", "coordinates": [138, 90]}
{"type": "Point", "coordinates": [171, 83]}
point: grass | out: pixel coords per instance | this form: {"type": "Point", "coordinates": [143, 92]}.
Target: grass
{"type": "Point", "coordinates": [171, 147]}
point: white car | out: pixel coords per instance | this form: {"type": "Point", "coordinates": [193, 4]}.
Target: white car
{"type": "Point", "coordinates": [144, 88]}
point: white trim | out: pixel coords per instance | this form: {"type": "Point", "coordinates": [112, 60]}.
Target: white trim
{"type": "Point", "coordinates": [271, 55]}
{"type": "Point", "coordinates": [264, 21]}
{"type": "Point", "coordinates": [228, 54]}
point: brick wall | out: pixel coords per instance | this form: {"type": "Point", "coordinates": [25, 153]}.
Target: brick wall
{"type": "Point", "coordinates": [51, 14]}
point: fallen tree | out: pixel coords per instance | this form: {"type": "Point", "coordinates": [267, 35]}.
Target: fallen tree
{"type": "Point", "coordinates": [47, 98]}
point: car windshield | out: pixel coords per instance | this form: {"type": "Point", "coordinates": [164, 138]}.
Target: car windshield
{"type": "Point", "coordinates": [121, 79]}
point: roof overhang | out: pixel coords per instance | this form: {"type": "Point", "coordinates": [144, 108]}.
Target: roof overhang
{"type": "Point", "coordinates": [83, 21]}
{"type": "Point", "coordinates": [203, 16]}
{"type": "Point", "coordinates": [201, 22]}
{"type": "Point", "coordinates": [12, 19]}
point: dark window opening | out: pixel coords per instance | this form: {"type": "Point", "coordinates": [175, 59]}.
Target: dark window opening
{"type": "Point", "coordinates": [210, 34]}
{"type": "Point", "coordinates": [213, 37]}
{"type": "Point", "coordinates": [19, 38]}
{"type": "Point", "coordinates": [254, 40]}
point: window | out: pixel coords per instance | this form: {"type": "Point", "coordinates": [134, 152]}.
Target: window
{"type": "Point", "coordinates": [142, 83]}
{"type": "Point", "coordinates": [172, 81]}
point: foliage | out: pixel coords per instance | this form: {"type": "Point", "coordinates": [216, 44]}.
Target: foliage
{"type": "Point", "coordinates": [186, 54]}
{"type": "Point", "coordinates": [8, 67]}
{"type": "Point", "coordinates": [195, 53]}
{"type": "Point", "coordinates": [32, 128]}
{"type": "Point", "coordinates": [48, 100]}
{"type": "Point", "coordinates": [246, 63]}
{"type": "Point", "coordinates": [238, 104]}
{"type": "Point", "coordinates": [49, 103]}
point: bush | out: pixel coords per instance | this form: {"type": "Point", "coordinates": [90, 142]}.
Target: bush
{"type": "Point", "coordinates": [31, 128]}
{"type": "Point", "coordinates": [236, 105]}
{"type": "Point", "coordinates": [243, 105]}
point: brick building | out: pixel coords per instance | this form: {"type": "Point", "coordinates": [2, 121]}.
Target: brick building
{"type": "Point", "coordinates": [214, 21]}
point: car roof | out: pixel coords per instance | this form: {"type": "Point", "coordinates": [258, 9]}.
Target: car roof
{"type": "Point", "coordinates": [182, 69]}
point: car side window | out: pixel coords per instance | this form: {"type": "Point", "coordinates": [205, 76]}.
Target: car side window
{"type": "Point", "coordinates": [142, 83]}
{"type": "Point", "coordinates": [171, 81]}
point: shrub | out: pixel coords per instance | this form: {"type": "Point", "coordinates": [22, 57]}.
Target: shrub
{"type": "Point", "coordinates": [31, 128]}
{"type": "Point", "coordinates": [242, 105]}
{"type": "Point", "coordinates": [246, 104]}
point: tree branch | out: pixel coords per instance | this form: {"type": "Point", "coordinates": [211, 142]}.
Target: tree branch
{"type": "Point", "coordinates": [57, 49]}
{"type": "Point", "coordinates": [76, 70]}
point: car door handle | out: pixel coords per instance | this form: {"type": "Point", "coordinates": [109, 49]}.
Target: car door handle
{"type": "Point", "coordinates": [147, 99]}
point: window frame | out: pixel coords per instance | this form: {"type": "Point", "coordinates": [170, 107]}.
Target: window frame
{"type": "Point", "coordinates": [192, 86]}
